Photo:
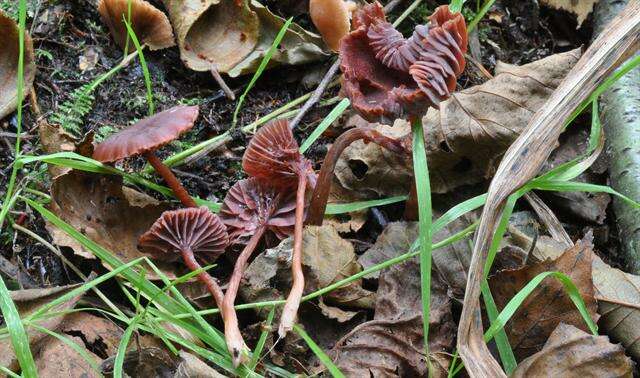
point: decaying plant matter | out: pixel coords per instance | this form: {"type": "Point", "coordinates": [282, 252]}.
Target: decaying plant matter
{"type": "Point", "coordinates": [188, 233]}
{"type": "Point", "coordinates": [251, 208]}
{"type": "Point", "coordinates": [145, 137]}
{"type": "Point", "coordinates": [273, 156]}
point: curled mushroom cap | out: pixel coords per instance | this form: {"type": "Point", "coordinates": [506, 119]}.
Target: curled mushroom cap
{"type": "Point", "coordinates": [251, 204]}
{"type": "Point", "coordinates": [331, 18]}
{"type": "Point", "coordinates": [387, 76]}
{"type": "Point", "coordinates": [147, 135]}
{"type": "Point", "coordinates": [273, 155]}
{"type": "Point", "coordinates": [196, 229]}
{"type": "Point", "coordinates": [152, 27]}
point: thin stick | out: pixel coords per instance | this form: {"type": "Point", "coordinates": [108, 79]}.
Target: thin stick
{"type": "Point", "coordinates": [171, 180]}
{"type": "Point", "coordinates": [317, 94]}
{"type": "Point", "coordinates": [235, 343]}
{"type": "Point", "coordinates": [223, 85]}
{"type": "Point", "coordinates": [290, 310]}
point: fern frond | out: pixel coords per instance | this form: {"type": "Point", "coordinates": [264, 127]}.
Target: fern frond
{"type": "Point", "coordinates": [70, 114]}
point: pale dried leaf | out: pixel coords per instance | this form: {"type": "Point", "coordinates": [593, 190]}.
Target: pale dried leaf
{"type": "Point", "coordinates": [581, 8]}
{"type": "Point", "coordinates": [9, 35]}
{"type": "Point", "coordinates": [192, 367]}
{"type": "Point", "coordinates": [57, 359]}
{"type": "Point", "coordinates": [549, 304]}
{"type": "Point", "coordinates": [573, 353]}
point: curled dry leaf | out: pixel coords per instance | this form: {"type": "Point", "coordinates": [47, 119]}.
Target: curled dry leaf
{"type": "Point", "coordinates": [235, 38]}
{"type": "Point", "coordinates": [151, 26]}
{"type": "Point", "coordinates": [9, 53]}
{"type": "Point", "coordinates": [392, 344]}
{"type": "Point", "coordinates": [466, 137]}
{"type": "Point", "coordinates": [191, 366]}
{"type": "Point", "coordinates": [27, 302]}
{"type": "Point", "coordinates": [104, 211]}
{"type": "Point", "coordinates": [549, 304]}
{"type": "Point", "coordinates": [580, 8]}
{"type": "Point", "coordinates": [572, 353]}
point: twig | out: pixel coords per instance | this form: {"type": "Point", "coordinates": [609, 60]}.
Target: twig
{"type": "Point", "coordinates": [523, 161]}
{"type": "Point", "coordinates": [317, 94]}
{"type": "Point", "coordinates": [223, 85]}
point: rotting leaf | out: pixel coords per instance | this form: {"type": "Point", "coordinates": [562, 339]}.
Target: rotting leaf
{"type": "Point", "coordinates": [549, 304]}
{"type": "Point", "coordinates": [391, 345]}
{"type": "Point", "coordinates": [27, 302]}
{"type": "Point", "coordinates": [233, 38]}
{"type": "Point", "coordinates": [618, 298]}
{"type": "Point", "coordinates": [102, 209]}
{"type": "Point", "coordinates": [466, 137]}
{"type": "Point", "coordinates": [570, 352]}
{"type": "Point", "coordinates": [57, 359]}
{"type": "Point", "coordinates": [191, 366]}
{"type": "Point", "coordinates": [580, 8]}
{"type": "Point", "coordinates": [9, 53]}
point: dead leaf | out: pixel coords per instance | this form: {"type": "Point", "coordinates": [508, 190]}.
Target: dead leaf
{"type": "Point", "coordinates": [466, 137]}
{"type": "Point", "coordinates": [572, 353]}
{"type": "Point", "coordinates": [9, 40]}
{"type": "Point", "coordinates": [619, 298]}
{"type": "Point", "coordinates": [89, 58]}
{"type": "Point", "coordinates": [27, 302]}
{"type": "Point", "coordinates": [336, 313]}
{"type": "Point", "coordinates": [581, 8]}
{"type": "Point", "coordinates": [146, 362]}
{"type": "Point", "coordinates": [192, 367]}
{"type": "Point", "coordinates": [234, 39]}
{"type": "Point", "coordinates": [57, 359]}
{"type": "Point", "coordinates": [548, 304]}
{"type": "Point", "coordinates": [100, 208]}
{"type": "Point", "coordinates": [392, 344]}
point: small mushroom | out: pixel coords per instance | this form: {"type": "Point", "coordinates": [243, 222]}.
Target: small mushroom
{"type": "Point", "coordinates": [332, 19]}
{"type": "Point", "coordinates": [151, 25]}
{"type": "Point", "coordinates": [190, 232]}
{"type": "Point", "coordinates": [387, 76]}
{"type": "Point", "coordinates": [250, 208]}
{"type": "Point", "coordinates": [148, 135]}
{"type": "Point", "coordinates": [273, 156]}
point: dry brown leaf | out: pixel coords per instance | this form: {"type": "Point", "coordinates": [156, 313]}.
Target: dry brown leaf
{"type": "Point", "coordinates": [57, 359]}
{"type": "Point", "coordinates": [9, 35]}
{"type": "Point", "coordinates": [27, 302]}
{"type": "Point", "coordinates": [618, 296]}
{"type": "Point", "coordinates": [573, 353]}
{"type": "Point", "coordinates": [193, 367]}
{"type": "Point", "coordinates": [233, 38]}
{"type": "Point", "coordinates": [392, 344]}
{"type": "Point", "coordinates": [466, 137]}
{"type": "Point", "coordinates": [549, 304]}
{"type": "Point", "coordinates": [581, 8]}
{"type": "Point", "coordinates": [103, 210]}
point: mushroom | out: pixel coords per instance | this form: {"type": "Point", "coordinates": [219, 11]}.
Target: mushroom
{"type": "Point", "coordinates": [145, 137]}
{"type": "Point", "coordinates": [250, 208]}
{"type": "Point", "coordinates": [189, 232]}
{"type": "Point", "coordinates": [332, 19]}
{"type": "Point", "coordinates": [273, 156]}
{"type": "Point", "coordinates": [387, 76]}
{"type": "Point", "coordinates": [151, 25]}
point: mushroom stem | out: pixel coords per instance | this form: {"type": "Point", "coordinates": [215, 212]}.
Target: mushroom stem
{"type": "Point", "coordinates": [235, 343]}
{"type": "Point", "coordinates": [223, 85]}
{"type": "Point", "coordinates": [205, 278]}
{"type": "Point", "coordinates": [321, 192]}
{"type": "Point", "coordinates": [411, 205]}
{"type": "Point", "coordinates": [170, 179]}
{"type": "Point", "coordinates": [290, 309]}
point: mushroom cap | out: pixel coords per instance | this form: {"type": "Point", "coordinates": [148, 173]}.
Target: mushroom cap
{"type": "Point", "coordinates": [251, 204]}
{"type": "Point", "coordinates": [196, 228]}
{"type": "Point", "coordinates": [147, 135]}
{"type": "Point", "coordinates": [152, 27]}
{"type": "Point", "coordinates": [273, 155]}
{"type": "Point", "coordinates": [331, 18]}
{"type": "Point", "coordinates": [387, 76]}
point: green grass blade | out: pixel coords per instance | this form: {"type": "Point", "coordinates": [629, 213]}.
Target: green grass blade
{"type": "Point", "coordinates": [143, 64]}
{"type": "Point", "coordinates": [515, 302]}
{"type": "Point", "coordinates": [122, 348]}
{"type": "Point", "coordinates": [481, 13]}
{"type": "Point", "coordinates": [261, 68]}
{"type": "Point", "coordinates": [341, 208]}
{"type": "Point", "coordinates": [19, 338]}
{"type": "Point", "coordinates": [456, 5]}
{"type": "Point", "coordinates": [322, 356]}
{"type": "Point", "coordinates": [262, 340]}
{"type": "Point", "coordinates": [572, 186]}
{"type": "Point", "coordinates": [423, 190]}
{"type": "Point", "coordinates": [502, 341]}
{"type": "Point", "coordinates": [324, 125]}
{"type": "Point", "coordinates": [8, 372]}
